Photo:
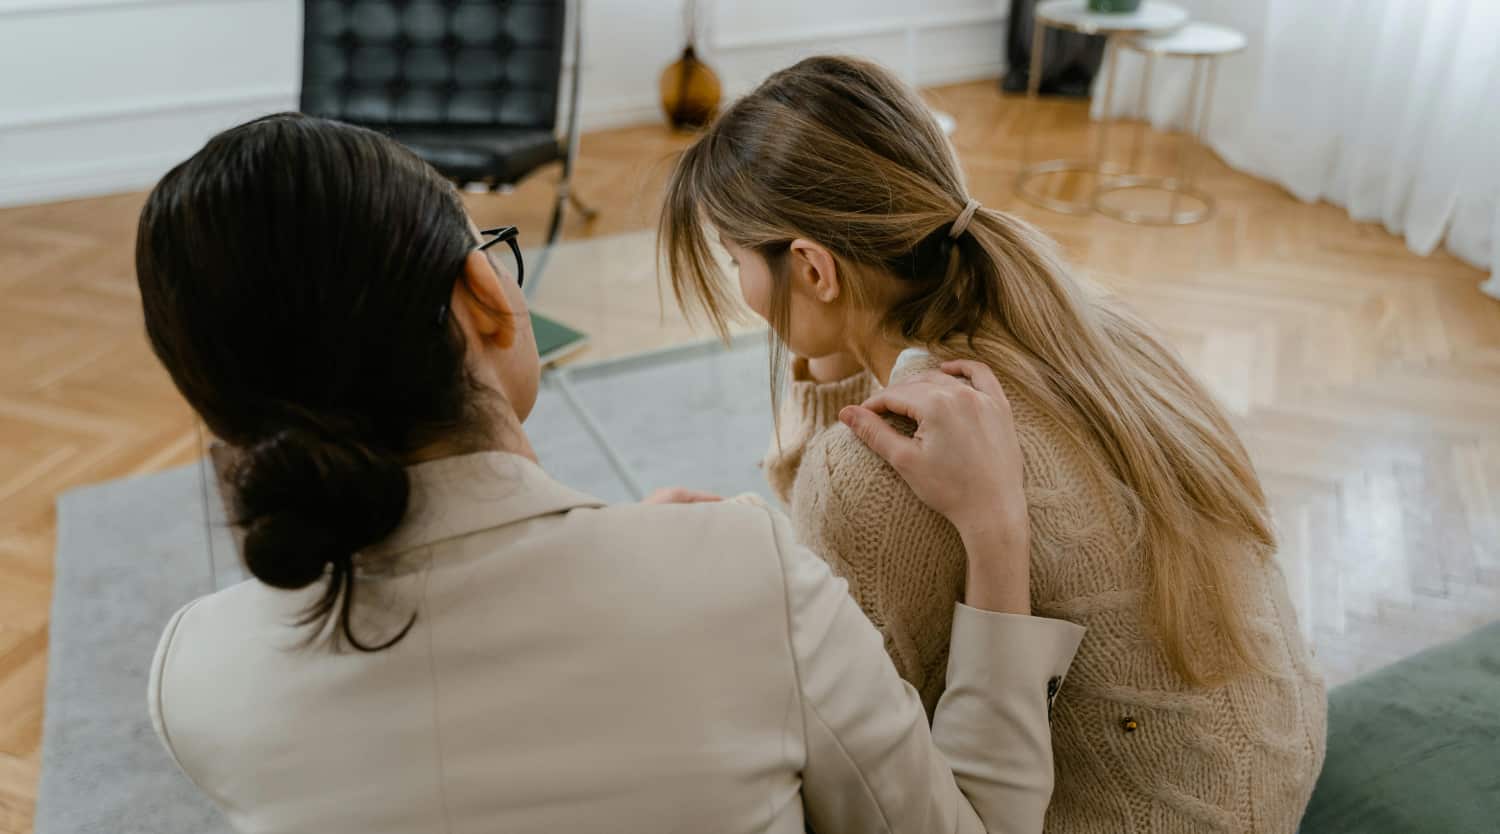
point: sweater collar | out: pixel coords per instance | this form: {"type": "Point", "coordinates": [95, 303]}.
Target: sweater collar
{"type": "Point", "coordinates": [463, 494]}
{"type": "Point", "coordinates": [913, 361]}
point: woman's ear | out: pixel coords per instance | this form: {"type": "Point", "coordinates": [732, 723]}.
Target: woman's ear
{"type": "Point", "coordinates": [479, 299]}
{"type": "Point", "coordinates": [814, 270]}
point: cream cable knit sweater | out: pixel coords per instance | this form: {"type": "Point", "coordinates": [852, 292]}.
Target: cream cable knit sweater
{"type": "Point", "coordinates": [1137, 749]}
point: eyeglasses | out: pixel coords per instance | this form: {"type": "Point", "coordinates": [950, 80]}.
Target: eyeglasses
{"type": "Point", "coordinates": [509, 235]}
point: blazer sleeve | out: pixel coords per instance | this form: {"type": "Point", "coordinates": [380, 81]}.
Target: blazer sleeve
{"type": "Point", "coordinates": [872, 764]}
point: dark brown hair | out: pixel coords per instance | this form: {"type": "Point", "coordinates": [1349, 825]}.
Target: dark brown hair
{"type": "Point", "coordinates": [292, 274]}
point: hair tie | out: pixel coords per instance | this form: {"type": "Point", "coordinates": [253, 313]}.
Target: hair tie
{"type": "Point", "coordinates": [962, 223]}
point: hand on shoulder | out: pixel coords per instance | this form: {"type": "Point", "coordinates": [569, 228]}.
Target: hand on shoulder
{"type": "Point", "coordinates": [680, 495]}
{"type": "Point", "coordinates": [964, 461]}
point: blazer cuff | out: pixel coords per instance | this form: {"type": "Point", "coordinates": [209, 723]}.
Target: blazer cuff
{"type": "Point", "coordinates": [988, 647]}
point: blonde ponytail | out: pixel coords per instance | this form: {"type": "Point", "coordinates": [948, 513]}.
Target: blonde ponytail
{"type": "Point", "coordinates": [836, 150]}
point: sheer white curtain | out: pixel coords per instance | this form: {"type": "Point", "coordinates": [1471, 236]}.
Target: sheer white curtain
{"type": "Point", "coordinates": [1390, 108]}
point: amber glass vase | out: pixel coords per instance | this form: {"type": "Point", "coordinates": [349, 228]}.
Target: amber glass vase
{"type": "Point", "coordinates": [690, 92]}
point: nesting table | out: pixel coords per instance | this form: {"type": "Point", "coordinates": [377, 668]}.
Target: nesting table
{"type": "Point", "coordinates": [1203, 44]}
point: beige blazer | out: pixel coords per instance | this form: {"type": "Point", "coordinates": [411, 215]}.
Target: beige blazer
{"type": "Point", "coordinates": [576, 667]}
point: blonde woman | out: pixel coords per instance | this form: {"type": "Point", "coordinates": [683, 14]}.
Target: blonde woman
{"type": "Point", "coordinates": [1192, 705]}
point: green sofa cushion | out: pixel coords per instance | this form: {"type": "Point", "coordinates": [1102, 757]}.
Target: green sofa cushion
{"type": "Point", "coordinates": [1415, 747]}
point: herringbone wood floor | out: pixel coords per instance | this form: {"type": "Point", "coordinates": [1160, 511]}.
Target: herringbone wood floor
{"type": "Point", "coordinates": [1365, 380]}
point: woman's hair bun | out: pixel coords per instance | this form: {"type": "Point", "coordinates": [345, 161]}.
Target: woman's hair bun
{"type": "Point", "coordinates": [307, 500]}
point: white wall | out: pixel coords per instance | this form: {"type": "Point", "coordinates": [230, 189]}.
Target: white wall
{"type": "Point", "coordinates": [105, 95]}
{"type": "Point", "coordinates": [928, 42]}
{"type": "Point", "coordinates": [629, 42]}
{"type": "Point", "coordinates": [98, 96]}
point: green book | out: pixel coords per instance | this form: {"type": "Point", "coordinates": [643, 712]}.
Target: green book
{"type": "Point", "coordinates": [554, 340]}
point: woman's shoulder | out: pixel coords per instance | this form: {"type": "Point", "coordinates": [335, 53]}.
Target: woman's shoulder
{"type": "Point", "coordinates": [227, 609]}
{"type": "Point", "coordinates": [164, 649]}
{"type": "Point", "coordinates": [211, 625]}
{"type": "Point", "coordinates": [746, 520]}
{"type": "Point", "coordinates": [837, 462]}
{"type": "Point", "coordinates": [743, 536]}
{"type": "Point", "coordinates": [852, 507]}
{"type": "Point", "coordinates": [203, 647]}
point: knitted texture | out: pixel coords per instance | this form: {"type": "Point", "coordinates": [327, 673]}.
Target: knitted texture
{"type": "Point", "coordinates": [1241, 757]}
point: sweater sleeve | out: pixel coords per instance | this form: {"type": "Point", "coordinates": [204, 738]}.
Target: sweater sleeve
{"type": "Point", "coordinates": [905, 563]}
{"type": "Point", "coordinates": [809, 408]}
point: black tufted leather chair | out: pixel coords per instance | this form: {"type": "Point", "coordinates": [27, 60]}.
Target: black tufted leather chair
{"type": "Point", "coordinates": [470, 85]}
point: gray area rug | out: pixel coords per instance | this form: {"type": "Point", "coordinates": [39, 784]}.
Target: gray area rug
{"type": "Point", "coordinates": [132, 552]}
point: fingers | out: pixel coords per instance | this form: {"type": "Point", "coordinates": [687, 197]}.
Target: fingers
{"type": "Point", "coordinates": [962, 386]}
{"type": "Point", "coordinates": [680, 495]}
{"type": "Point", "coordinates": [979, 375]}
{"type": "Point", "coordinates": [935, 377]}
{"type": "Point", "coordinates": [915, 395]}
{"type": "Point", "coordinates": [905, 400]}
{"type": "Point", "coordinates": [877, 434]}
{"type": "Point", "coordinates": [921, 397]}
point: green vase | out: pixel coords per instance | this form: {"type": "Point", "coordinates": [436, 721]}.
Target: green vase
{"type": "Point", "coordinates": [1115, 6]}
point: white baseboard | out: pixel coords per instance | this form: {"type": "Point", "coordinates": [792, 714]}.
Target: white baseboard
{"type": "Point", "coordinates": [130, 173]}
{"type": "Point", "coordinates": [112, 176]}
{"type": "Point", "coordinates": [145, 139]}
{"type": "Point", "coordinates": [960, 74]}
{"type": "Point", "coordinates": [630, 111]}
{"type": "Point", "coordinates": [832, 35]}
{"type": "Point", "coordinates": [115, 175]}
{"type": "Point", "coordinates": [623, 111]}
{"type": "Point", "coordinates": [54, 7]}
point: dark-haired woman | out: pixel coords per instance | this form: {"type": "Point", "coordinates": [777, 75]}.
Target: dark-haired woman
{"type": "Point", "coordinates": [439, 637]}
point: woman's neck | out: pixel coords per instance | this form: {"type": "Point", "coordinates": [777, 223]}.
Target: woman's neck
{"type": "Point", "coordinates": [503, 434]}
{"type": "Point", "coordinates": [512, 438]}
{"type": "Point", "coordinates": [878, 351]}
